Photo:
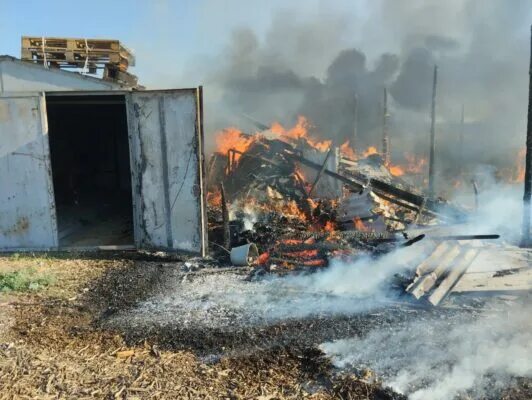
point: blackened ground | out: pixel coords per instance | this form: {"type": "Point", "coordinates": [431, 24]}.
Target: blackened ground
{"type": "Point", "coordinates": [125, 290]}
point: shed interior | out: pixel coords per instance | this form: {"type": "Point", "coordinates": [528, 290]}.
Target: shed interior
{"type": "Point", "coordinates": [91, 172]}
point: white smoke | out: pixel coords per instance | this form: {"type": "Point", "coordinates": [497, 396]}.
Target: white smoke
{"type": "Point", "coordinates": [431, 360]}
{"type": "Point", "coordinates": [499, 211]}
{"type": "Point", "coordinates": [225, 299]}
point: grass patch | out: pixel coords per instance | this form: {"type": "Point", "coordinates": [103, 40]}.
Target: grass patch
{"type": "Point", "coordinates": [23, 280]}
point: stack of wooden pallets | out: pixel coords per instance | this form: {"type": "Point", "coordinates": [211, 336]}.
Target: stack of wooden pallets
{"type": "Point", "coordinates": [90, 54]}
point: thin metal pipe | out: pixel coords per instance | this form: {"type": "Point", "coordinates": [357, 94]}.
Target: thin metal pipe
{"type": "Point", "coordinates": [432, 133]}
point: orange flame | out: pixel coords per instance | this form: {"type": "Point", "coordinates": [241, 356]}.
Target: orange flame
{"type": "Point", "coordinates": [302, 254]}
{"type": "Point", "coordinates": [346, 151]}
{"type": "Point", "coordinates": [369, 151]}
{"type": "Point", "coordinates": [396, 170]}
{"type": "Point", "coordinates": [214, 199]}
{"type": "Point", "coordinates": [519, 175]}
{"type": "Point", "coordinates": [360, 226]}
{"type": "Point", "coordinates": [415, 164]}
{"type": "Point", "coordinates": [263, 258]}
{"type": "Point", "coordinates": [232, 138]}
{"type": "Point", "coordinates": [299, 131]}
{"type": "Point", "coordinates": [289, 209]}
{"type": "Point", "coordinates": [329, 226]}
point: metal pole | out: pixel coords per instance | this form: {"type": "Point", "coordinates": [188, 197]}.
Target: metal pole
{"type": "Point", "coordinates": [354, 144]}
{"type": "Point", "coordinates": [385, 139]}
{"type": "Point", "coordinates": [432, 132]}
{"type": "Point", "coordinates": [525, 241]}
{"type": "Point", "coordinates": [461, 141]}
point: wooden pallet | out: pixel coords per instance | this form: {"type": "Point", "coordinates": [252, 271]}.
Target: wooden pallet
{"type": "Point", "coordinates": [76, 52]}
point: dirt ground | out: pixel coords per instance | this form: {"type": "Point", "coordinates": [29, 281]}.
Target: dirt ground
{"type": "Point", "coordinates": [52, 348]}
{"type": "Point", "coordinates": [54, 343]}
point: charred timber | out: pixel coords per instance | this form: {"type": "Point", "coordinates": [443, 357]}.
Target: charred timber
{"type": "Point", "coordinates": [320, 173]}
{"type": "Point", "coordinates": [392, 193]}
{"type": "Point", "coordinates": [445, 238]}
{"type": "Point", "coordinates": [296, 157]}
{"type": "Point", "coordinates": [225, 219]}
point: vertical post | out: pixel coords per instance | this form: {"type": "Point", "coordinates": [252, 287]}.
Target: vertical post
{"type": "Point", "coordinates": [354, 142]}
{"type": "Point", "coordinates": [225, 220]}
{"type": "Point", "coordinates": [432, 133]}
{"type": "Point", "coordinates": [385, 139]}
{"type": "Point", "coordinates": [461, 141]}
{"type": "Point", "coordinates": [525, 240]}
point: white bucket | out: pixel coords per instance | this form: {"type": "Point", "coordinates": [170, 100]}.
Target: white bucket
{"type": "Point", "coordinates": [244, 255]}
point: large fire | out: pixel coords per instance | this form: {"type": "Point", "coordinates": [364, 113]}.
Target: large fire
{"type": "Point", "coordinates": [233, 139]}
{"type": "Point", "coordinates": [298, 136]}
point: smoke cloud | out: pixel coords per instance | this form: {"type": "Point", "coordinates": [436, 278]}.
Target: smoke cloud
{"type": "Point", "coordinates": [304, 64]}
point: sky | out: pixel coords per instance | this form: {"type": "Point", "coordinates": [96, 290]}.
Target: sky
{"type": "Point", "coordinates": [164, 34]}
{"type": "Point", "coordinates": [277, 59]}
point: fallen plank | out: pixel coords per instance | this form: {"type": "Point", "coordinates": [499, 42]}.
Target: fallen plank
{"type": "Point", "coordinates": [430, 263]}
{"type": "Point", "coordinates": [425, 283]}
{"type": "Point", "coordinates": [452, 278]}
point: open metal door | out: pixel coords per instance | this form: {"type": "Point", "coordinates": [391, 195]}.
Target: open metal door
{"type": "Point", "coordinates": [27, 206]}
{"type": "Point", "coordinates": [166, 141]}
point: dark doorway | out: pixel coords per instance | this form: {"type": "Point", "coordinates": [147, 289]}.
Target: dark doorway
{"type": "Point", "coordinates": [89, 149]}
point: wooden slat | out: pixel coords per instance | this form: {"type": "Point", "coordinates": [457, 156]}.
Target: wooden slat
{"type": "Point", "coordinates": [425, 283]}
{"type": "Point", "coordinates": [452, 278]}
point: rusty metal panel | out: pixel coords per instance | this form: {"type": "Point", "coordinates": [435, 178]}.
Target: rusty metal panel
{"type": "Point", "coordinates": [27, 207]}
{"type": "Point", "coordinates": [167, 168]}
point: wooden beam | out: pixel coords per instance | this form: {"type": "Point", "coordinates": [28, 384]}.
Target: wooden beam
{"type": "Point", "coordinates": [320, 172]}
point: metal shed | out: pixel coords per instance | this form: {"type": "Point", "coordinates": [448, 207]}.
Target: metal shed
{"type": "Point", "coordinates": [86, 168]}
{"type": "Point", "coordinates": [21, 76]}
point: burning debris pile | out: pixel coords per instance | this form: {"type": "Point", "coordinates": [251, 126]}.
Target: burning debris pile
{"type": "Point", "coordinates": [303, 201]}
